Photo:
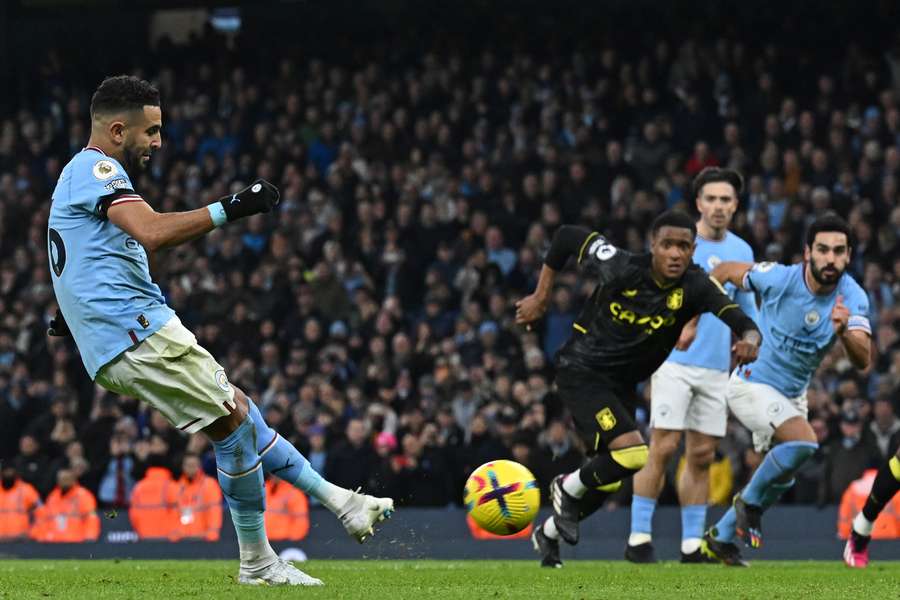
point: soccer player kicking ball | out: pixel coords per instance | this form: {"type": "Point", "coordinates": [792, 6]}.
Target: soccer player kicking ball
{"type": "Point", "coordinates": [624, 333]}
{"type": "Point", "coordinates": [688, 390]}
{"type": "Point", "coordinates": [131, 343]}
{"type": "Point", "coordinates": [886, 484]}
{"type": "Point", "coordinates": [804, 309]}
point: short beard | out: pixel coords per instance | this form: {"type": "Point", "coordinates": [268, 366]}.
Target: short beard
{"type": "Point", "coordinates": [133, 163]}
{"type": "Point", "coordinates": [820, 279]}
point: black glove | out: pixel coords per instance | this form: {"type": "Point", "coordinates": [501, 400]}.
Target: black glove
{"type": "Point", "coordinates": [58, 326]}
{"type": "Point", "coordinates": [260, 197]}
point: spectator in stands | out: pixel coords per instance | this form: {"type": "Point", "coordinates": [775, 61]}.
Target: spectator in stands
{"type": "Point", "coordinates": [68, 515]}
{"type": "Point", "coordinates": [884, 424]}
{"type": "Point", "coordinates": [848, 456]}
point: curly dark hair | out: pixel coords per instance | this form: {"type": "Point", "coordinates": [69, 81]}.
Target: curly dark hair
{"type": "Point", "coordinates": [673, 218]}
{"type": "Point", "coordinates": [123, 92]}
{"type": "Point", "coordinates": [829, 222]}
{"type": "Point", "coordinates": [717, 175]}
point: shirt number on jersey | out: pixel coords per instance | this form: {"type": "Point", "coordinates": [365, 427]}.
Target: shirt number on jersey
{"type": "Point", "coordinates": [57, 251]}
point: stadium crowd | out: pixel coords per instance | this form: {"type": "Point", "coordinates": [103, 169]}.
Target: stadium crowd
{"type": "Point", "coordinates": [371, 316]}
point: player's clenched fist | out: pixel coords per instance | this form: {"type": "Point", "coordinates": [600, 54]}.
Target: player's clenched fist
{"type": "Point", "coordinates": [260, 197]}
{"type": "Point", "coordinates": [840, 315]}
{"type": "Point", "coordinates": [530, 308]}
{"type": "Point", "coordinates": [747, 348]}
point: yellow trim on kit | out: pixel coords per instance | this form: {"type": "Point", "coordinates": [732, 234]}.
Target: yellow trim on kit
{"type": "Point", "coordinates": [585, 243]}
{"type": "Point", "coordinates": [633, 457]}
{"type": "Point", "coordinates": [579, 328]}
{"type": "Point", "coordinates": [609, 488]}
{"type": "Point", "coordinates": [894, 463]}
{"type": "Point", "coordinates": [724, 308]}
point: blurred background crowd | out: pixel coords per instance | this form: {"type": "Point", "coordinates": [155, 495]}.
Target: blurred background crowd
{"type": "Point", "coordinates": [422, 177]}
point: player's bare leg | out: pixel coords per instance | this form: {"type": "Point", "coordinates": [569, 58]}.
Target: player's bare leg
{"type": "Point", "coordinates": [693, 493]}
{"type": "Point", "coordinates": [648, 484]}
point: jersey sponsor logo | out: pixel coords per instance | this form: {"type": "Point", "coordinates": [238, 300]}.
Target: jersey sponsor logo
{"type": "Point", "coordinates": [713, 261]}
{"type": "Point", "coordinates": [675, 299]}
{"type": "Point", "coordinates": [606, 419]}
{"type": "Point", "coordinates": [104, 169]}
{"type": "Point", "coordinates": [764, 267]}
{"type": "Point", "coordinates": [811, 318]}
{"type": "Point", "coordinates": [602, 249]}
{"type": "Point", "coordinates": [116, 184]}
{"type": "Point", "coordinates": [628, 316]}
{"type": "Point", "coordinates": [222, 380]}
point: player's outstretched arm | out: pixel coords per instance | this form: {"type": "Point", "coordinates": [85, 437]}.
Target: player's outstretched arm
{"type": "Point", "coordinates": [714, 299]}
{"type": "Point", "coordinates": [731, 272]}
{"type": "Point", "coordinates": [162, 230]}
{"type": "Point", "coordinates": [569, 240]}
{"type": "Point", "coordinates": [155, 230]}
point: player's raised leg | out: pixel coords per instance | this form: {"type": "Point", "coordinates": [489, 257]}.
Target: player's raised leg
{"type": "Point", "coordinates": [358, 512]}
{"type": "Point", "coordinates": [886, 484]}
{"type": "Point", "coordinates": [648, 483]}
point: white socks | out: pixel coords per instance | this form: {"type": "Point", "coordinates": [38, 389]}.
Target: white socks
{"type": "Point", "coordinates": [690, 545]}
{"type": "Point", "coordinates": [862, 525]}
{"type": "Point", "coordinates": [636, 539]}
{"type": "Point", "coordinates": [573, 486]}
{"type": "Point", "coordinates": [256, 555]}
{"type": "Point", "coordinates": [550, 529]}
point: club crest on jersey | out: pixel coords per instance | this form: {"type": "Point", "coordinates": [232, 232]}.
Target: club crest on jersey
{"type": "Point", "coordinates": [222, 380]}
{"type": "Point", "coordinates": [811, 318]}
{"type": "Point", "coordinates": [605, 419]}
{"type": "Point", "coordinates": [104, 169]}
{"type": "Point", "coordinates": [713, 261]}
{"type": "Point", "coordinates": [675, 299]}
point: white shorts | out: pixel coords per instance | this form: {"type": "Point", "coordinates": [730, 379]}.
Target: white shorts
{"type": "Point", "coordinates": [762, 409]}
{"type": "Point", "coordinates": [687, 397]}
{"type": "Point", "coordinates": [172, 373]}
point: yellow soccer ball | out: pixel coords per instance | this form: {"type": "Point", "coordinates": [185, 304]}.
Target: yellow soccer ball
{"type": "Point", "coordinates": [502, 496]}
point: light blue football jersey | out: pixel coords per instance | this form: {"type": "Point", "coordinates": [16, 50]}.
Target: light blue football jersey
{"type": "Point", "coordinates": [711, 348]}
{"type": "Point", "coordinates": [100, 275]}
{"type": "Point", "coordinates": [796, 325]}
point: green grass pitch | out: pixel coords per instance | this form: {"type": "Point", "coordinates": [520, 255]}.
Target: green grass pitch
{"type": "Point", "coordinates": [433, 580]}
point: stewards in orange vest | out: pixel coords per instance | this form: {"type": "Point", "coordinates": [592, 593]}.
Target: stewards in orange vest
{"type": "Point", "coordinates": [154, 505]}
{"type": "Point", "coordinates": [287, 511]}
{"type": "Point", "coordinates": [18, 499]}
{"type": "Point", "coordinates": [69, 515]}
{"type": "Point", "coordinates": [887, 525]}
{"type": "Point", "coordinates": [199, 503]}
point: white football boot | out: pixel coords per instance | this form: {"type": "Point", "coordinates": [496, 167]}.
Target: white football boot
{"type": "Point", "coordinates": [281, 572]}
{"type": "Point", "coordinates": [362, 512]}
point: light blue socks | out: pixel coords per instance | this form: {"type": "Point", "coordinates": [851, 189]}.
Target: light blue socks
{"type": "Point", "coordinates": [240, 475]}
{"type": "Point", "coordinates": [280, 458]}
